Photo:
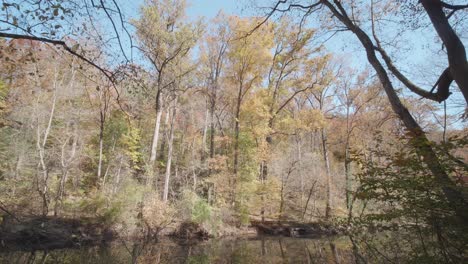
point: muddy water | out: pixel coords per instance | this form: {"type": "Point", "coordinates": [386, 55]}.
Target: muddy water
{"type": "Point", "coordinates": [252, 250]}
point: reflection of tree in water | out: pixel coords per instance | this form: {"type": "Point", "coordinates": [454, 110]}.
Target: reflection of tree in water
{"type": "Point", "coordinates": [258, 250]}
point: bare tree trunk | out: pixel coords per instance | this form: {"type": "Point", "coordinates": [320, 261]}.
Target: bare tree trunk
{"type": "Point", "coordinates": [65, 163]}
{"type": "Point", "coordinates": [109, 162]}
{"type": "Point", "coordinates": [264, 175]}
{"type": "Point", "coordinates": [347, 161]}
{"type": "Point", "coordinates": [284, 181]}
{"type": "Point", "coordinates": [212, 139]}
{"type": "Point", "coordinates": [236, 142]}
{"type": "Point", "coordinates": [154, 145]}
{"type": "Point", "coordinates": [299, 170]}
{"type": "Point", "coordinates": [281, 207]}
{"type": "Point", "coordinates": [205, 131]}
{"type": "Point", "coordinates": [103, 108]}
{"type": "Point", "coordinates": [101, 146]}
{"type": "Point", "coordinates": [169, 155]}
{"type": "Point", "coordinates": [347, 166]}
{"type": "Point", "coordinates": [236, 135]}
{"type": "Point", "coordinates": [19, 162]}
{"type": "Point", "coordinates": [117, 179]}
{"type": "Point", "coordinates": [164, 136]}
{"type": "Point", "coordinates": [311, 191]}
{"type": "Point", "coordinates": [42, 184]}
{"type": "Point", "coordinates": [212, 127]}
{"type": "Point", "coordinates": [328, 174]}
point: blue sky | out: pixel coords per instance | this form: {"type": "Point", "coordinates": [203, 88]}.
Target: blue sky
{"type": "Point", "coordinates": [209, 8]}
{"type": "Point", "coordinates": [196, 8]}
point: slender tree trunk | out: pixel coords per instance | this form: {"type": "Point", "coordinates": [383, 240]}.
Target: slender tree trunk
{"type": "Point", "coordinates": [281, 208]}
{"type": "Point", "coordinates": [347, 161]}
{"type": "Point", "coordinates": [169, 155]}
{"type": "Point", "coordinates": [236, 142]}
{"type": "Point", "coordinates": [60, 191]}
{"type": "Point", "coordinates": [236, 139]}
{"type": "Point", "coordinates": [328, 174]}
{"type": "Point", "coordinates": [65, 162]}
{"type": "Point", "coordinates": [102, 123]}
{"type": "Point", "coordinates": [212, 127]}
{"type": "Point", "coordinates": [205, 131]}
{"type": "Point", "coordinates": [336, 258]}
{"type": "Point", "coordinates": [42, 184]}
{"type": "Point", "coordinates": [347, 175]}
{"type": "Point", "coordinates": [164, 137]}
{"type": "Point", "coordinates": [264, 175]}
{"type": "Point", "coordinates": [299, 170]}
{"type": "Point", "coordinates": [212, 140]}
{"type": "Point", "coordinates": [154, 143]}
{"type": "Point", "coordinates": [311, 191]}
{"type": "Point", "coordinates": [117, 178]}
{"type": "Point", "coordinates": [101, 145]}
{"type": "Point", "coordinates": [19, 162]}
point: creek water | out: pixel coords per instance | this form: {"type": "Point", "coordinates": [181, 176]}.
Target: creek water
{"type": "Point", "coordinates": [232, 250]}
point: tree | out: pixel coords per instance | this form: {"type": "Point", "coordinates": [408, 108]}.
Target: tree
{"type": "Point", "coordinates": [164, 39]}
{"type": "Point", "coordinates": [214, 50]}
{"type": "Point", "coordinates": [355, 95]}
{"type": "Point", "coordinates": [296, 69]}
{"type": "Point", "coordinates": [247, 57]}
{"type": "Point", "coordinates": [67, 156]}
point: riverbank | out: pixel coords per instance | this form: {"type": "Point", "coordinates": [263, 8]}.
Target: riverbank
{"type": "Point", "coordinates": [42, 233]}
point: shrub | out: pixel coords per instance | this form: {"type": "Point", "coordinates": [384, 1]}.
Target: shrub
{"type": "Point", "coordinates": [156, 215]}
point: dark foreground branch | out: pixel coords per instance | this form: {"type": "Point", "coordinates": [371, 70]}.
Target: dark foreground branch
{"type": "Point", "coordinates": [61, 43]}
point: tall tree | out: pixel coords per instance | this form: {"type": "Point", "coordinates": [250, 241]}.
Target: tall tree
{"type": "Point", "coordinates": [164, 37]}
{"type": "Point", "coordinates": [248, 56]}
{"type": "Point", "coordinates": [213, 57]}
{"type": "Point", "coordinates": [296, 68]}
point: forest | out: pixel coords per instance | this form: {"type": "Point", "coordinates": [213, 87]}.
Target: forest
{"type": "Point", "coordinates": [142, 121]}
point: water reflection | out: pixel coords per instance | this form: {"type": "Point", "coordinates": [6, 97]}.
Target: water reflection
{"type": "Point", "coordinates": [258, 250]}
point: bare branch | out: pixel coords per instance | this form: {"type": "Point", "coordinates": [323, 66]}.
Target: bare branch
{"type": "Point", "coordinates": [61, 43]}
{"type": "Point", "coordinates": [277, 9]}
{"type": "Point", "coordinates": [443, 83]}
{"type": "Point", "coordinates": [453, 7]}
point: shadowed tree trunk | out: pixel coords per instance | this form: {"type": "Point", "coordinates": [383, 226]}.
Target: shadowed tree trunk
{"type": "Point", "coordinates": [327, 171]}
